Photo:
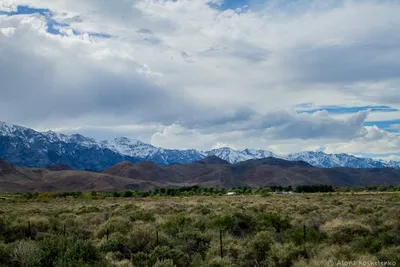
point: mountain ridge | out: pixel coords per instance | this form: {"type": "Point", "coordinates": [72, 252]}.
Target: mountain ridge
{"type": "Point", "coordinates": [26, 147]}
{"type": "Point", "coordinates": [210, 172]}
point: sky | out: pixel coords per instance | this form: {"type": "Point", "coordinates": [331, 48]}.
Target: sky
{"type": "Point", "coordinates": [286, 76]}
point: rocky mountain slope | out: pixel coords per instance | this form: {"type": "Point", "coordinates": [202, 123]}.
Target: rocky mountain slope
{"type": "Point", "coordinates": [15, 179]}
{"type": "Point", "coordinates": [26, 147]}
{"type": "Point", "coordinates": [208, 172]}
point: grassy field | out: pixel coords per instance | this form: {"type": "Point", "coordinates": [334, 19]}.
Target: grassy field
{"type": "Point", "coordinates": [331, 229]}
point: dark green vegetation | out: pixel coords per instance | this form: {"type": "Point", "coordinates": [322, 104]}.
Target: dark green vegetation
{"type": "Point", "coordinates": [99, 229]}
{"type": "Point", "coordinates": [203, 191]}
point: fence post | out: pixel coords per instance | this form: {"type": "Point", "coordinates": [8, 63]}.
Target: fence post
{"type": "Point", "coordinates": [64, 230]}
{"type": "Point", "coordinates": [220, 243]}
{"type": "Point", "coordinates": [304, 233]}
{"type": "Point", "coordinates": [29, 234]}
{"type": "Point", "coordinates": [278, 227]}
{"type": "Point", "coordinates": [157, 241]}
{"type": "Point", "coordinates": [107, 233]}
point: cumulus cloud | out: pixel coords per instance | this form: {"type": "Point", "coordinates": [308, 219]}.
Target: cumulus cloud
{"type": "Point", "coordinates": [193, 74]}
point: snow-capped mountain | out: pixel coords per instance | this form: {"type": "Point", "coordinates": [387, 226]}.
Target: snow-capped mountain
{"type": "Point", "coordinates": [26, 147]}
{"type": "Point", "coordinates": [235, 156]}
{"type": "Point", "coordinates": [320, 159]}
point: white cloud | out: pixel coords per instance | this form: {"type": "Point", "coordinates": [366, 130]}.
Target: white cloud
{"type": "Point", "coordinates": [182, 74]}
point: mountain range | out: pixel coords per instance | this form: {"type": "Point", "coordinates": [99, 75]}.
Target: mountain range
{"type": "Point", "coordinates": [208, 172]}
{"type": "Point", "coordinates": [28, 148]}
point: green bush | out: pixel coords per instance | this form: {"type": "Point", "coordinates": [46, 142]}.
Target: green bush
{"type": "Point", "coordinates": [238, 224]}
{"type": "Point", "coordinates": [81, 253]}
{"type": "Point", "coordinates": [220, 262]}
{"type": "Point", "coordinates": [5, 255]}
{"type": "Point", "coordinates": [282, 255]}
{"type": "Point", "coordinates": [191, 242]}
{"type": "Point", "coordinates": [88, 210]}
{"type": "Point", "coordinates": [141, 259]}
{"type": "Point", "coordinates": [142, 238]}
{"type": "Point", "coordinates": [391, 254]}
{"type": "Point", "coordinates": [116, 243]}
{"type": "Point", "coordinates": [346, 232]}
{"type": "Point", "coordinates": [368, 244]}
{"type": "Point", "coordinates": [255, 251]}
{"type": "Point", "coordinates": [296, 235]}
{"type": "Point", "coordinates": [142, 215]}
{"type": "Point", "coordinates": [114, 225]}
{"type": "Point", "coordinates": [164, 263]}
{"type": "Point", "coordinates": [273, 220]}
{"type": "Point", "coordinates": [24, 253]}
{"type": "Point", "coordinates": [178, 257]}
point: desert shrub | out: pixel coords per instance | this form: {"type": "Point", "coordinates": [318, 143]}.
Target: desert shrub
{"type": "Point", "coordinates": [114, 225]}
{"type": "Point", "coordinates": [238, 224]}
{"type": "Point", "coordinates": [220, 262]}
{"type": "Point", "coordinates": [142, 238]}
{"type": "Point", "coordinates": [173, 226]}
{"type": "Point", "coordinates": [390, 238]}
{"type": "Point", "coordinates": [191, 242]}
{"type": "Point", "coordinates": [364, 210]}
{"type": "Point", "coordinates": [255, 251]}
{"type": "Point", "coordinates": [24, 253]}
{"type": "Point", "coordinates": [197, 261]}
{"type": "Point", "coordinates": [336, 253]}
{"type": "Point", "coordinates": [296, 235]}
{"type": "Point", "coordinates": [116, 243]}
{"type": "Point", "coordinates": [90, 209]}
{"type": "Point", "coordinates": [313, 263]}
{"type": "Point", "coordinates": [27, 227]}
{"type": "Point", "coordinates": [81, 253]}
{"type": "Point", "coordinates": [275, 220]}
{"type": "Point", "coordinates": [5, 255]}
{"type": "Point", "coordinates": [344, 232]}
{"type": "Point", "coordinates": [141, 259]}
{"type": "Point", "coordinates": [391, 254]}
{"type": "Point", "coordinates": [164, 263]}
{"type": "Point", "coordinates": [178, 257]}
{"type": "Point", "coordinates": [368, 244]}
{"type": "Point", "coordinates": [59, 251]}
{"type": "Point", "coordinates": [51, 247]}
{"type": "Point", "coordinates": [142, 215]}
{"type": "Point", "coordinates": [282, 255]}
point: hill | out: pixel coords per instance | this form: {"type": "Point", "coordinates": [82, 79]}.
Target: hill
{"type": "Point", "coordinates": [62, 179]}
{"type": "Point", "coordinates": [210, 172]}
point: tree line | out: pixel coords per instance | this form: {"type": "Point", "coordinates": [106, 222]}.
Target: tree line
{"type": "Point", "coordinates": [206, 191]}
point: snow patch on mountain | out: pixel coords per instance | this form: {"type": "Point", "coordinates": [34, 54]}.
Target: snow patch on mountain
{"type": "Point", "coordinates": [41, 142]}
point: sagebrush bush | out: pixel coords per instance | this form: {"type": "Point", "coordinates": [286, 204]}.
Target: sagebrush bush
{"type": "Point", "coordinates": [391, 254]}
{"type": "Point", "coordinates": [344, 232]}
{"type": "Point", "coordinates": [24, 253]}
{"type": "Point", "coordinates": [142, 238]}
{"type": "Point", "coordinates": [286, 254]}
{"type": "Point", "coordinates": [114, 225]}
{"type": "Point", "coordinates": [256, 231]}
{"type": "Point", "coordinates": [164, 263]}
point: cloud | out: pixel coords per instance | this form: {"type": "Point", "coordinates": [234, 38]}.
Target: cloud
{"type": "Point", "coordinates": [196, 73]}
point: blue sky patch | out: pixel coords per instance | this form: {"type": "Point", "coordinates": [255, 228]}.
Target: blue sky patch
{"type": "Point", "coordinates": [52, 25]}
{"type": "Point", "coordinates": [231, 4]}
{"type": "Point", "coordinates": [386, 125]}
{"type": "Point", "coordinates": [344, 110]}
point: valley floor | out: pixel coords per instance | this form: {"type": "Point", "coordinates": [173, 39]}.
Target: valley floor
{"type": "Point", "coordinates": [278, 230]}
